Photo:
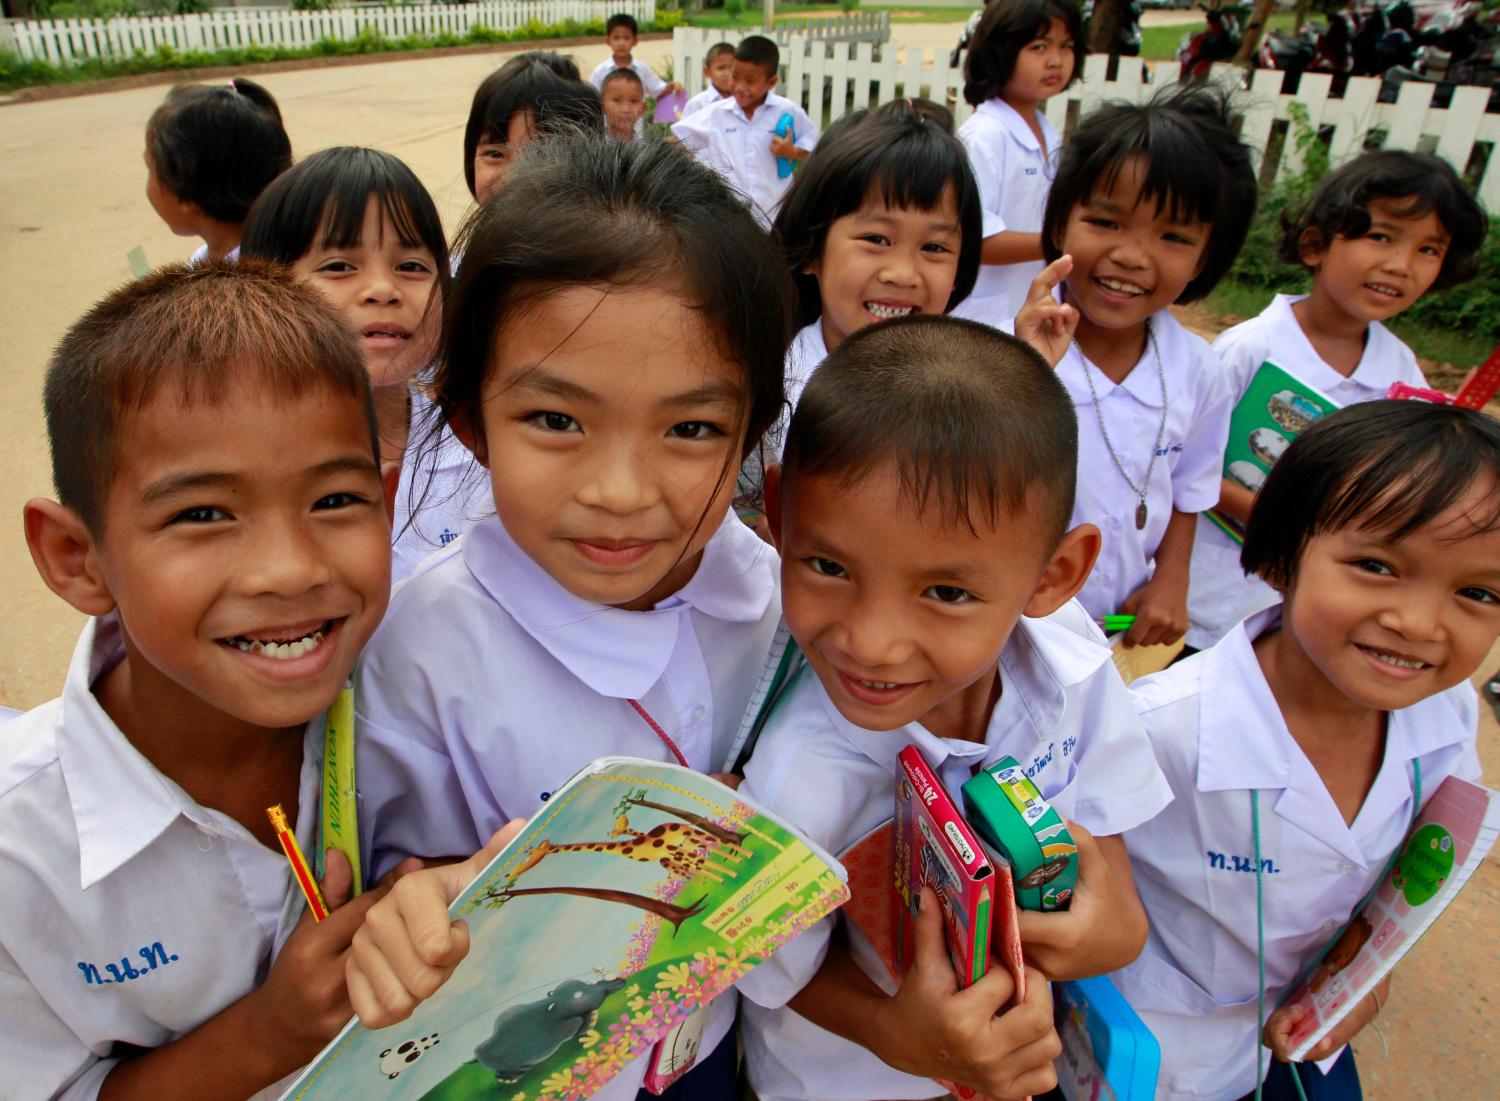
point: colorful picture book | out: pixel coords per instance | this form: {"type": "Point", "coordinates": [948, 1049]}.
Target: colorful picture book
{"type": "Point", "coordinates": [1454, 832]}
{"type": "Point", "coordinates": [1108, 1052]}
{"type": "Point", "coordinates": [637, 895]}
{"type": "Point", "coordinates": [1277, 406]}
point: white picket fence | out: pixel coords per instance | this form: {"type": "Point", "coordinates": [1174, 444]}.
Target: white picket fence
{"type": "Point", "coordinates": [68, 41]}
{"type": "Point", "coordinates": [830, 79]}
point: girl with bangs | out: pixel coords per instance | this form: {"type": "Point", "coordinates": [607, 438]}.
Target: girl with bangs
{"type": "Point", "coordinates": [359, 226]}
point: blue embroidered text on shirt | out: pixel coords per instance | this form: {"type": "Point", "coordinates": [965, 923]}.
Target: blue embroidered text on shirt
{"type": "Point", "coordinates": [153, 954]}
{"type": "Point", "coordinates": [1032, 171]}
{"type": "Point", "coordinates": [1041, 762]}
{"type": "Point", "coordinates": [447, 537]}
{"type": "Point", "coordinates": [1069, 744]}
{"type": "Point", "coordinates": [1177, 447]}
{"type": "Point", "coordinates": [1232, 862]}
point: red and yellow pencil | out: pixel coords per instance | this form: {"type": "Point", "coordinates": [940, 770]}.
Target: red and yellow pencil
{"type": "Point", "coordinates": [298, 862]}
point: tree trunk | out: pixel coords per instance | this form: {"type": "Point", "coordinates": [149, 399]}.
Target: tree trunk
{"type": "Point", "coordinates": [1255, 28]}
{"type": "Point", "coordinates": [1104, 26]}
{"type": "Point", "coordinates": [729, 837]}
{"type": "Point", "coordinates": [667, 911]}
{"type": "Point", "coordinates": [1299, 15]}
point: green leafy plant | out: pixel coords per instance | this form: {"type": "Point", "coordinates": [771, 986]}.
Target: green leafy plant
{"type": "Point", "coordinates": [734, 9]}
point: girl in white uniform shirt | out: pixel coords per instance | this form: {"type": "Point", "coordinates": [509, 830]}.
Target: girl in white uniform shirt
{"type": "Point", "coordinates": [882, 221]}
{"type": "Point", "coordinates": [1380, 232]}
{"type": "Point", "coordinates": [358, 225]}
{"type": "Point", "coordinates": [1023, 53]}
{"type": "Point", "coordinates": [1330, 717]}
{"type": "Point", "coordinates": [610, 375]}
{"type": "Point", "coordinates": [1152, 203]}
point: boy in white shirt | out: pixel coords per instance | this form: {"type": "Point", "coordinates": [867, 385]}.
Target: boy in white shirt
{"type": "Point", "coordinates": [624, 105]}
{"type": "Point", "coordinates": [718, 70]}
{"type": "Point", "coordinates": [737, 137]}
{"type": "Point", "coordinates": [620, 34]}
{"type": "Point", "coordinates": [921, 513]}
{"type": "Point", "coordinates": [221, 519]}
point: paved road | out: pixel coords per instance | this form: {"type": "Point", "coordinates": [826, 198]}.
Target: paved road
{"type": "Point", "coordinates": [72, 205]}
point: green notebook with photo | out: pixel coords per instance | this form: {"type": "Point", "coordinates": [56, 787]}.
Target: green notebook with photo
{"type": "Point", "coordinates": [1276, 407]}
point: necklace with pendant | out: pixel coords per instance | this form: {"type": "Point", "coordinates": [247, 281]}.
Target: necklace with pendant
{"type": "Point", "coordinates": [1161, 432]}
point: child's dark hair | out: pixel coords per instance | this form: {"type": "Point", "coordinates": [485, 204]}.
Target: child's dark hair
{"type": "Point", "coordinates": [594, 212]}
{"type": "Point", "coordinates": [623, 20]}
{"type": "Point", "coordinates": [1196, 167]}
{"type": "Point", "coordinates": [630, 76]}
{"type": "Point", "coordinates": [895, 153]}
{"type": "Point", "coordinates": [718, 49]}
{"type": "Point", "coordinates": [1388, 466]}
{"type": "Point", "coordinates": [1419, 184]}
{"type": "Point", "coordinates": [1008, 27]}
{"type": "Point", "coordinates": [757, 49]}
{"type": "Point", "coordinates": [197, 332]}
{"type": "Point", "coordinates": [322, 202]}
{"type": "Point", "coordinates": [969, 415]}
{"type": "Point", "coordinates": [540, 81]}
{"type": "Point", "coordinates": [218, 145]}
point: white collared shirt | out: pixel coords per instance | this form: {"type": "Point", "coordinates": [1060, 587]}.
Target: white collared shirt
{"type": "Point", "coordinates": [1014, 172]}
{"type": "Point", "coordinates": [1188, 467]}
{"type": "Point", "coordinates": [1219, 734]}
{"type": "Point", "coordinates": [132, 913]}
{"type": "Point", "coordinates": [652, 83]}
{"type": "Point", "coordinates": [1063, 713]}
{"type": "Point", "coordinates": [739, 147]}
{"type": "Point", "coordinates": [706, 98]}
{"type": "Point", "coordinates": [805, 355]}
{"type": "Point", "coordinates": [488, 685]}
{"type": "Point", "coordinates": [441, 491]}
{"type": "Point", "coordinates": [1221, 595]}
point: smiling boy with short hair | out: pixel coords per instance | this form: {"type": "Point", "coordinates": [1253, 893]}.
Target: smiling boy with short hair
{"type": "Point", "coordinates": [220, 519]}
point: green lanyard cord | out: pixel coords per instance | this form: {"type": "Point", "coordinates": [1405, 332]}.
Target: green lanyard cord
{"type": "Point", "coordinates": [1260, 920]}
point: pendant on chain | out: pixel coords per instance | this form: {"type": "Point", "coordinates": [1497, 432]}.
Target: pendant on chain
{"type": "Point", "coordinates": [1140, 516]}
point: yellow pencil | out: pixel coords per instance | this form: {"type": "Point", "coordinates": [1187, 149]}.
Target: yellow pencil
{"type": "Point", "coordinates": [298, 862]}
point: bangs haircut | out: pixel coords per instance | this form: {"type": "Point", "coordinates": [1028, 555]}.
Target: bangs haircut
{"type": "Point", "coordinates": [594, 212]}
{"type": "Point", "coordinates": [540, 81]}
{"type": "Point", "coordinates": [895, 153]}
{"type": "Point", "coordinates": [197, 334]}
{"type": "Point", "coordinates": [630, 76]}
{"type": "Point", "coordinates": [321, 202]}
{"type": "Point", "coordinates": [1008, 27]}
{"type": "Point", "coordinates": [717, 50]}
{"type": "Point", "coordinates": [1386, 466]}
{"type": "Point", "coordinates": [1196, 170]}
{"type": "Point", "coordinates": [623, 19]}
{"type": "Point", "coordinates": [1418, 183]}
{"type": "Point", "coordinates": [757, 49]}
{"type": "Point", "coordinates": [971, 418]}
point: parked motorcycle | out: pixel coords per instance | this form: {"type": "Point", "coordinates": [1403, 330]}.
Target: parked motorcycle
{"type": "Point", "coordinates": [1219, 40]}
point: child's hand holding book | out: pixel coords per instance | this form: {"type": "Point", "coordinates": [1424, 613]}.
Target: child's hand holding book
{"type": "Point", "coordinates": [1281, 1033]}
{"type": "Point", "coordinates": [408, 946]}
{"type": "Point", "coordinates": [1104, 926]}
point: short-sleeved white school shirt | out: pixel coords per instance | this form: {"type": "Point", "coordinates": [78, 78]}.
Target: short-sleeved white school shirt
{"type": "Point", "coordinates": [1063, 713]}
{"type": "Point", "coordinates": [706, 98]}
{"type": "Point", "coordinates": [1188, 467]}
{"type": "Point", "coordinates": [1014, 173]}
{"type": "Point", "coordinates": [652, 83]}
{"type": "Point", "coordinates": [441, 491]}
{"type": "Point", "coordinates": [738, 147]}
{"type": "Point", "coordinates": [132, 913]}
{"type": "Point", "coordinates": [1218, 735]}
{"type": "Point", "coordinates": [200, 255]}
{"type": "Point", "coordinates": [488, 685]}
{"type": "Point", "coordinates": [1220, 594]}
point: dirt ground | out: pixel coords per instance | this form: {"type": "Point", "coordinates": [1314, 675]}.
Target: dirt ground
{"type": "Point", "coordinates": [72, 205]}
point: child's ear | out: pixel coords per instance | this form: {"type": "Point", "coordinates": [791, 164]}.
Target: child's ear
{"type": "Point", "coordinates": [1310, 248]}
{"type": "Point", "coordinates": [64, 553]}
{"type": "Point", "coordinates": [771, 84]}
{"type": "Point", "coordinates": [1069, 568]}
{"type": "Point", "coordinates": [772, 494]}
{"type": "Point", "coordinates": [471, 435]}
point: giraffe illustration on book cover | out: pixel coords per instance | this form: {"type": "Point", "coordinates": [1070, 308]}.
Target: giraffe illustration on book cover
{"type": "Point", "coordinates": [639, 894]}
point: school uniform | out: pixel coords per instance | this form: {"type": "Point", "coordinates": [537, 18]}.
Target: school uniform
{"type": "Point", "coordinates": [1188, 463]}
{"type": "Point", "coordinates": [1063, 713]}
{"type": "Point", "coordinates": [200, 255]}
{"type": "Point", "coordinates": [1219, 735]}
{"type": "Point", "coordinates": [1221, 595]}
{"type": "Point", "coordinates": [806, 354]}
{"type": "Point", "coordinates": [441, 490]}
{"type": "Point", "coordinates": [489, 685]}
{"type": "Point", "coordinates": [706, 98]}
{"type": "Point", "coordinates": [738, 147]}
{"type": "Point", "coordinates": [652, 83]}
{"type": "Point", "coordinates": [133, 913]}
{"type": "Point", "coordinates": [1014, 172]}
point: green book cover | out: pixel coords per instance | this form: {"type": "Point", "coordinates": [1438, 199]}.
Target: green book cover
{"type": "Point", "coordinates": [1276, 408]}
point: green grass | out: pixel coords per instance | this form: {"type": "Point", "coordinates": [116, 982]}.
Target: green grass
{"type": "Point", "coordinates": [1160, 43]}
{"type": "Point", "coordinates": [1459, 350]}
